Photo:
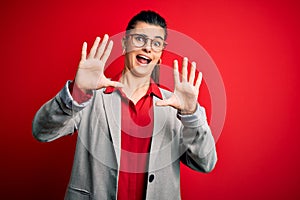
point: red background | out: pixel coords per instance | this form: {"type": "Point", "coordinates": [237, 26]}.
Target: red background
{"type": "Point", "coordinates": [255, 45]}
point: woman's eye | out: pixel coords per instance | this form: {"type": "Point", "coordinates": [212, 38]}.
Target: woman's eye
{"type": "Point", "coordinates": [139, 38]}
{"type": "Point", "coordinates": [157, 43]}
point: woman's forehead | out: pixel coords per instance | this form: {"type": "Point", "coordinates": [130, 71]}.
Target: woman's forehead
{"type": "Point", "coordinates": [148, 29]}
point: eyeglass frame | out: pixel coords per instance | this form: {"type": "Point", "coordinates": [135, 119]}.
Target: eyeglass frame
{"type": "Point", "coordinates": [146, 41]}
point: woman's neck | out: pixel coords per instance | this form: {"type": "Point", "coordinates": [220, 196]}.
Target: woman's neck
{"type": "Point", "coordinates": [134, 87]}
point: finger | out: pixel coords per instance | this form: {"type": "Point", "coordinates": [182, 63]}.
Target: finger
{"type": "Point", "coordinates": [184, 69]}
{"type": "Point", "coordinates": [83, 51]}
{"type": "Point", "coordinates": [164, 102]}
{"type": "Point", "coordinates": [192, 73]}
{"type": "Point", "coordinates": [172, 101]}
{"type": "Point", "coordinates": [176, 72]}
{"type": "Point", "coordinates": [107, 51]}
{"type": "Point", "coordinates": [94, 48]}
{"type": "Point", "coordinates": [109, 83]}
{"type": "Point", "coordinates": [199, 80]}
{"type": "Point", "coordinates": [102, 47]}
{"type": "Point", "coordinates": [115, 84]}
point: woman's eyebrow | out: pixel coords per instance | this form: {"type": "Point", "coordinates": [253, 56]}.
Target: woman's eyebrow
{"type": "Point", "coordinates": [159, 37]}
{"type": "Point", "coordinates": [149, 37]}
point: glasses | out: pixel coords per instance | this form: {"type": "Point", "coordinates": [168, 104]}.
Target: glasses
{"type": "Point", "coordinates": [139, 40]}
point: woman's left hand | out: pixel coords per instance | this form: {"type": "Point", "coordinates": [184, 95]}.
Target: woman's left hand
{"type": "Point", "coordinates": [185, 95]}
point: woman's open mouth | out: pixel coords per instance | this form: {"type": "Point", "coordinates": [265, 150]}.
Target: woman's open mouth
{"type": "Point", "coordinates": [144, 60]}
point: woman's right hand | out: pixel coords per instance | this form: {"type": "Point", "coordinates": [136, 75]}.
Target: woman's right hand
{"type": "Point", "coordinates": [90, 73]}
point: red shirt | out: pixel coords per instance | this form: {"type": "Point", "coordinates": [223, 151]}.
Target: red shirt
{"type": "Point", "coordinates": [136, 133]}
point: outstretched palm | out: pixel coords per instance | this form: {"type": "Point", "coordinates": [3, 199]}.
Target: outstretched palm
{"type": "Point", "coordinates": [185, 94]}
{"type": "Point", "coordinates": [90, 73]}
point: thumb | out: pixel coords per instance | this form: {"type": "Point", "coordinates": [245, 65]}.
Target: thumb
{"type": "Point", "coordinates": [116, 84]}
{"type": "Point", "coordinates": [172, 101]}
{"type": "Point", "coordinates": [164, 102]}
{"type": "Point", "coordinates": [109, 83]}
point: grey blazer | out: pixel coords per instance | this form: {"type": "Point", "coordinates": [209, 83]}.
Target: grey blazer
{"type": "Point", "coordinates": [185, 138]}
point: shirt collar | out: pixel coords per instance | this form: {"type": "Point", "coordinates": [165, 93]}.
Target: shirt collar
{"type": "Point", "coordinates": [153, 88]}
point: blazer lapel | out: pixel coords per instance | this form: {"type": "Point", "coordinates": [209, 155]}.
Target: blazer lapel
{"type": "Point", "coordinates": [158, 135]}
{"type": "Point", "coordinates": [112, 106]}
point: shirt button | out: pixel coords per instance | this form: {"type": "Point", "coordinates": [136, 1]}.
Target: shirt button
{"type": "Point", "coordinates": [151, 178]}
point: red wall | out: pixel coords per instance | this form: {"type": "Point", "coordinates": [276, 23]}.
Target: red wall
{"type": "Point", "coordinates": [255, 45]}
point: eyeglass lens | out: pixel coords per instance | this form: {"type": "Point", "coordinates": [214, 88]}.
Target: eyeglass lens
{"type": "Point", "coordinates": [138, 40]}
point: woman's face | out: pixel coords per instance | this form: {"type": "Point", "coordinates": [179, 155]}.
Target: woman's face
{"type": "Point", "coordinates": [140, 61]}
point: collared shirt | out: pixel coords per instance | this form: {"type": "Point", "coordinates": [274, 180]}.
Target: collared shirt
{"type": "Point", "coordinates": [136, 133]}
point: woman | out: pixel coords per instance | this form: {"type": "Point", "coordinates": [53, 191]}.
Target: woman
{"type": "Point", "coordinates": [132, 134]}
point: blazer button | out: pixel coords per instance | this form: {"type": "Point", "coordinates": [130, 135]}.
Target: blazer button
{"type": "Point", "coordinates": [151, 178]}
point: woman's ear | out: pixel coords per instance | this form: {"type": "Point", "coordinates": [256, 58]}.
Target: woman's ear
{"type": "Point", "coordinates": [159, 61]}
{"type": "Point", "coordinates": [124, 45]}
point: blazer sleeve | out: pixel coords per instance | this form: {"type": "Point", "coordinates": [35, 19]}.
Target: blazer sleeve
{"type": "Point", "coordinates": [58, 117]}
{"type": "Point", "coordinates": [197, 143]}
